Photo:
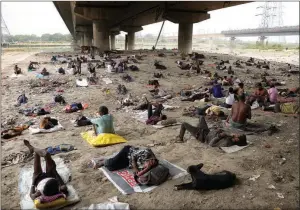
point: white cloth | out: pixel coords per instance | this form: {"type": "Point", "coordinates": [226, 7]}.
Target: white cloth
{"type": "Point", "coordinates": [162, 93]}
{"type": "Point", "coordinates": [229, 99]}
{"type": "Point", "coordinates": [41, 185]}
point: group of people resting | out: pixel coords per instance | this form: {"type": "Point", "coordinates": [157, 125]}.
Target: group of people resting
{"type": "Point", "coordinates": [49, 185]}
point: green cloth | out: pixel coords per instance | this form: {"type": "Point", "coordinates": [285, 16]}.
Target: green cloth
{"type": "Point", "coordinates": [104, 124]}
{"type": "Point", "coordinates": [237, 125]}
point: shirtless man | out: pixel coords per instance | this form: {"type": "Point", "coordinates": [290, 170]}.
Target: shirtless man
{"type": "Point", "coordinates": [240, 112]}
{"type": "Point", "coordinates": [260, 95]}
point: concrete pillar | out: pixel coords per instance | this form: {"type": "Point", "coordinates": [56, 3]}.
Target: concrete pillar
{"type": "Point", "coordinates": [262, 40]}
{"type": "Point", "coordinates": [74, 44]}
{"type": "Point", "coordinates": [231, 44]}
{"type": "Point", "coordinates": [131, 38]}
{"type": "Point", "coordinates": [126, 42]}
{"type": "Point", "coordinates": [87, 37]}
{"type": "Point", "coordinates": [112, 42]}
{"type": "Point", "coordinates": [101, 35]}
{"type": "Point", "coordinates": [185, 37]}
{"type": "Point", "coordinates": [81, 41]}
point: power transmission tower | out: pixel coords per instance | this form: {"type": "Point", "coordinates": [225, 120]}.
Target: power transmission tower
{"type": "Point", "coordinates": [271, 15]}
{"type": "Point", "coordinates": [5, 34]}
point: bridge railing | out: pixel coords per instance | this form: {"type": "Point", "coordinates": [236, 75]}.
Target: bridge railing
{"type": "Point", "coordinates": [257, 30]}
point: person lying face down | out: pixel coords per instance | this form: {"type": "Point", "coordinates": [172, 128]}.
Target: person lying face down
{"type": "Point", "coordinates": [203, 181]}
{"type": "Point", "coordinates": [104, 123]}
{"type": "Point", "coordinates": [48, 185]}
{"type": "Point", "coordinates": [214, 137]}
{"type": "Point", "coordinates": [141, 160]}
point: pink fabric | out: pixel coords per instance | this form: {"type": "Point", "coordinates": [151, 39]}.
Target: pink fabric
{"type": "Point", "coordinates": [273, 93]}
{"type": "Point", "coordinates": [48, 199]}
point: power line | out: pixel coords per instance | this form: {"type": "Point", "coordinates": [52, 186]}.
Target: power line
{"type": "Point", "coordinates": [271, 16]}
{"type": "Point", "coordinates": [4, 31]}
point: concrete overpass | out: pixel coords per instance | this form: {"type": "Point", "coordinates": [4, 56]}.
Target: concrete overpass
{"type": "Point", "coordinates": [197, 36]}
{"type": "Point", "coordinates": [97, 23]}
{"type": "Point", "coordinates": [263, 33]}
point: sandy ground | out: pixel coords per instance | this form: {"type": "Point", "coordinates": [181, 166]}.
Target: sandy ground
{"type": "Point", "coordinates": [93, 187]}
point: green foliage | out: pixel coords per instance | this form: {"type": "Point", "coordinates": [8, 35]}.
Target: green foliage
{"type": "Point", "coordinates": [57, 37]}
{"type": "Point", "coordinates": [259, 46]}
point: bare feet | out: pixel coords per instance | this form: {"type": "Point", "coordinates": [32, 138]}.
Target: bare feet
{"type": "Point", "coordinates": [27, 144]}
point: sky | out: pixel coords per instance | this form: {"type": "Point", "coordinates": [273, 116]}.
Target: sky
{"type": "Point", "coordinates": [42, 17]}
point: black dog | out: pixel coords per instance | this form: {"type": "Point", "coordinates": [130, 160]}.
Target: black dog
{"type": "Point", "coordinates": [203, 181]}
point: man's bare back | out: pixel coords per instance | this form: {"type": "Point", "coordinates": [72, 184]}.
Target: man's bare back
{"type": "Point", "coordinates": [240, 112]}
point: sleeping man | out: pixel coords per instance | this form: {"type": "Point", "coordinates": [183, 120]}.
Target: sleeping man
{"type": "Point", "coordinates": [48, 185]}
{"type": "Point", "coordinates": [214, 137]}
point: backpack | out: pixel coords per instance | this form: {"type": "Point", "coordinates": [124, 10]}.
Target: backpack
{"type": "Point", "coordinates": [156, 176]}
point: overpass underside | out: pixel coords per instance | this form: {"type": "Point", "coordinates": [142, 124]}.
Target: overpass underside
{"type": "Point", "coordinates": [97, 23]}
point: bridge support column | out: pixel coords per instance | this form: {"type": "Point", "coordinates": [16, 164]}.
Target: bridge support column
{"type": "Point", "coordinates": [185, 29]}
{"type": "Point", "coordinates": [262, 40]}
{"type": "Point", "coordinates": [87, 37]}
{"type": "Point", "coordinates": [232, 43]}
{"type": "Point", "coordinates": [101, 35]}
{"type": "Point", "coordinates": [74, 44]}
{"type": "Point", "coordinates": [126, 42]}
{"type": "Point", "coordinates": [113, 40]}
{"type": "Point", "coordinates": [131, 30]}
{"type": "Point", "coordinates": [131, 40]}
{"type": "Point", "coordinates": [81, 40]}
{"type": "Point", "coordinates": [185, 37]}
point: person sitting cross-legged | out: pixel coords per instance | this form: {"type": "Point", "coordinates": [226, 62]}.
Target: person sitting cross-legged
{"type": "Point", "coordinates": [104, 123]}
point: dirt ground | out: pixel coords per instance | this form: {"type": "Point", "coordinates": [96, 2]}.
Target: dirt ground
{"type": "Point", "coordinates": [93, 187]}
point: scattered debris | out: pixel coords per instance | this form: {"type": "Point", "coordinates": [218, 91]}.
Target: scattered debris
{"type": "Point", "coordinates": [271, 187]}
{"type": "Point", "coordinates": [280, 195]}
{"type": "Point", "coordinates": [254, 177]}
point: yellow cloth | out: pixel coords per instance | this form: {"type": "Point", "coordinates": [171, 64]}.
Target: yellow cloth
{"type": "Point", "coordinates": [289, 108]}
{"type": "Point", "coordinates": [103, 139]}
{"type": "Point", "coordinates": [56, 203]}
{"type": "Point", "coordinates": [214, 109]}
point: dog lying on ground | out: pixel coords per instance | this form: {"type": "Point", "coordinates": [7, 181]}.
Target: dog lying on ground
{"type": "Point", "coordinates": [203, 181]}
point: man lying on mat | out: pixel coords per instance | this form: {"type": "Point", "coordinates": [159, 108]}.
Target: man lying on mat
{"type": "Point", "coordinates": [47, 185]}
{"type": "Point", "coordinates": [104, 123]}
{"type": "Point", "coordinates": [141, 160]}
{"type": "Point", "coordinates": [214, 137]}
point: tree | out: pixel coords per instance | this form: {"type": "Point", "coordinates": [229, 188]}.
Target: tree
{"type": "Point", "coordinates": [45, 37]}
{"type": "Point", "coordinates": [149, 36]}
